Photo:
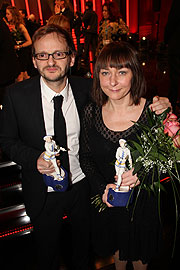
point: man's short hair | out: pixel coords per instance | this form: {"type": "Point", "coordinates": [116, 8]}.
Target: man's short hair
{"type": "Point", "coordinates": [89, 4]}
{"type": "Point", "coordinates": [52, 28]}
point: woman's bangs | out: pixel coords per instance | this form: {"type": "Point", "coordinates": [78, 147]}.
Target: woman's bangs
{"type": "Point", "coordinates": [115, 61]}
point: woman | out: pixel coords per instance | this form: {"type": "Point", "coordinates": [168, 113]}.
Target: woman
{"type": "Point", "coordinates": [111, 27]}
{"type": "Point", "coordinates": [118, 91]}
{"type": "Point", "coordinates": [21, 38]}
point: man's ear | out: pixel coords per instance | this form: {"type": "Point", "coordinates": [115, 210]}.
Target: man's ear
{"type": "Point", "coordinates": [34, 62]}
{"type": "Point", "coordinates": [72, 61]}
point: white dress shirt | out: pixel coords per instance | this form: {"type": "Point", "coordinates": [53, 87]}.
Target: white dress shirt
{"type": "Point", "coordinates": [72, 124]}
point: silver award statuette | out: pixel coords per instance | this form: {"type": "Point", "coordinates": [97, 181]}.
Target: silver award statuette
{"type": "Point", "coordinates": [121, 194]}
{"type": "Point", "coordinates": [58, 180]}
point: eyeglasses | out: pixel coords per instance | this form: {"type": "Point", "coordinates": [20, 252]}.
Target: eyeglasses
{"type": "Point", "coordinates": [55, 55]}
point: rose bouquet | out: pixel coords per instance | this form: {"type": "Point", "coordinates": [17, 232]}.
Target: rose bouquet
{"type": "Point", "coordinates": [157, 148]}
{"type": "Point", "coordinates": [156, 152]}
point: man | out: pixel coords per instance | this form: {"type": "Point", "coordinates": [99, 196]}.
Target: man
{"type": "Point", "coordinates": [27, 117]}
{"type": "Point", "coordinates": [90, 20]}
{"type": "Point", "coordinates": [30, 22]}
{"type": "Point", "coordinates": [64, 7]}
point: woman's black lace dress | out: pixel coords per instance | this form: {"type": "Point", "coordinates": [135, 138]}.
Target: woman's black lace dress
{"type": "Point", "coordinates": [113, 229]}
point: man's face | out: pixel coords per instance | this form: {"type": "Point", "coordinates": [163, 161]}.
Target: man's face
{"type": "Point", "coordinates": [22, 14]}
{"type": "Point", "coordinates": [53, 70]}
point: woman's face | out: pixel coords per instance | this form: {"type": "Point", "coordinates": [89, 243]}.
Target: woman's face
{"type": "Point", "coordinates": [115, 83]}
{"type": "Point", "coordinates": [8, 15]}
{"type": "Point", "coordinates": [105, 13]}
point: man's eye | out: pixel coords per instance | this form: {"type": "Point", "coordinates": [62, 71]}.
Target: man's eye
{"type": "Point", "coordinates": [59, 54]}
{"type": "Point", "coordinates": [42, 55]}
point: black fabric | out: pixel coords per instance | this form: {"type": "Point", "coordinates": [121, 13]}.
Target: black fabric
{"type": "Point", "coordinates": [9, 68]}
{"type": "Point", "coordinates": [57, 237]}
{"type": "Point", "coordinates": [113, 229]}
{"type": "Point", "coordinates": [22, 141]}
{"type": "Point", "coordinates": [60, 130]}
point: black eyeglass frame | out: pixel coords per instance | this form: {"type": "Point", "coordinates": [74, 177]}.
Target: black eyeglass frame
{"type": "Point", "coordinates": [49, 54]}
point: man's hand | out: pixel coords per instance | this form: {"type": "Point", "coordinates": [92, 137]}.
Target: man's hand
{"type": "Point", "coordinates": [45, 167]}
{"type": "Point", "coordinates": [160, 104]}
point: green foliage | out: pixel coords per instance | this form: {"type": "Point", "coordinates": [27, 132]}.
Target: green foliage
{"type": "Point", "coordinates": [154, 153]}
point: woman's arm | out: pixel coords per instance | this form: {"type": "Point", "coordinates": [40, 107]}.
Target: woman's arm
{"type": "Point", "coordinates": [96, 180]}
{"type": "Point", "coordinates": [27, 37]}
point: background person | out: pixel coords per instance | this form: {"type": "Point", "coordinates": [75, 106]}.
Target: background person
{"type": "Point", "coordinates": [111, 27]}
{"type": "Point", "coordinates": [30, 22]}
{"type": "Point", "coordinates": [22, 40]}
{"type": "Point", "coordinates": [77, 25]}
{"type": "Point", "coordinates": [60, 20]}
{"type": "Point", "coordinates": [9, 65]}
{"type": "Point", "coordinates": [172, 39]}
{"type": "Point", "coordinates": [65, 8]}
{"type": "Point", "coordinates": [90, 20]}
{"type": "Point", "coordinates": [31, 26]}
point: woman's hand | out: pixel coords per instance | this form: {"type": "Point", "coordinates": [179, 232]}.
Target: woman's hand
{"type": "Point", "coordinates": [18, 47]}
{"type": "Point", "coordinates": [128, 179]}
{"type": "Point", "coordinates": [104, 197]}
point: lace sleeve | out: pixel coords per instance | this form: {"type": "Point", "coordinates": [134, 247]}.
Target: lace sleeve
{"type": "Point", "coordinates": [86, 160]}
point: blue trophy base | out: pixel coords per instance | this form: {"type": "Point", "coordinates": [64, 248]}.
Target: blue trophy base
{"type": "Point", "coordinates": [117, 198]}
{"type": "Point", "coordinates": [57, 185]}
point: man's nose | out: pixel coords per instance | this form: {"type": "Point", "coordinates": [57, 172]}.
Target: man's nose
{"type": "Point", "coordinates": [51, 60]}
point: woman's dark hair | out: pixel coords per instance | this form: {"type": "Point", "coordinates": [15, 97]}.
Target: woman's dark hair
{"type": "Point", "coordinates": [113, 10]}
{"type": "Point", "coordinates": [119, 55]}
{"type": "Point", "coordinates": [52, 28]}
{"type": "Point", "coordinates": [16, 16]}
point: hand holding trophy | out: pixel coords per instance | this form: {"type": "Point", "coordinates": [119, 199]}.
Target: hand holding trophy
{"type": "Point", "coordinates": [58, 180]}
{"type": "Point", "coordinates": [121, 194]}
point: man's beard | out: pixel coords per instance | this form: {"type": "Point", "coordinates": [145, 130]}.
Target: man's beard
{"type": "Point", "coordinates": [58, 78]}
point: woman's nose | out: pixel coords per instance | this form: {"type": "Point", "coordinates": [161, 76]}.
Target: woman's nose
{"type": "Point", "coordinates": [113, 79]}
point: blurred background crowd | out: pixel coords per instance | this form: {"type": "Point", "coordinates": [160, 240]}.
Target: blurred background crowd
{"type": "Point", "coordinates": [92, 25]}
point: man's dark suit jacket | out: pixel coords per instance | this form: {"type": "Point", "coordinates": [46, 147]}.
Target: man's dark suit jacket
{"type": "Point", "coordinates": [22, 131]}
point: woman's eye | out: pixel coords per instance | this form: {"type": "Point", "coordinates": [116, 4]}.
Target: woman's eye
{"type": "Point", "coordinates": [104, 73]}
{"type": "Point", "coordinates": [122, 72]}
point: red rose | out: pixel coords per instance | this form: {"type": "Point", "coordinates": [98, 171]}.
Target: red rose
{"type": "Point", "coordinates": [172, 126]}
